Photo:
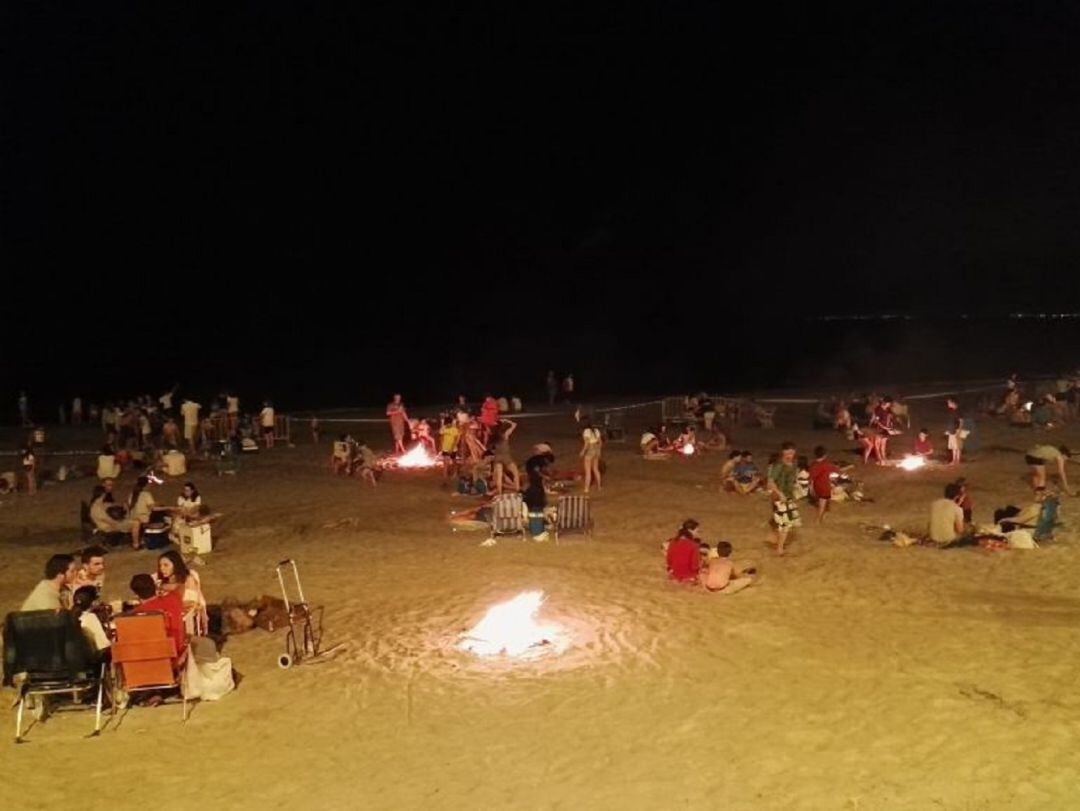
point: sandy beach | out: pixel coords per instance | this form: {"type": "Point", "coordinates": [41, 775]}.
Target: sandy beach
{"type": "Point", "coordinates": [854, 675]}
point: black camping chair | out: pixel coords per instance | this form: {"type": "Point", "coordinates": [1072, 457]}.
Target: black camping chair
{"type": "Point", "coordinates": [47, 655]}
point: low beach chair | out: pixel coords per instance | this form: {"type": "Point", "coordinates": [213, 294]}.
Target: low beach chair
{"type": "Point", "coordinates": [47, 655]}
{"type": "Point", "coordinates": [573, 513]}
{"type": "Point", "coordinates": [143, 658]}
{"type": "Point", "coordinates": [508, 515]}
{"type": "Point", "coordinates": [613, 427]}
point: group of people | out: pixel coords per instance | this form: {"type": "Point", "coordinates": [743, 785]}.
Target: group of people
{"type": "Point", "coordinates": [76, 583]}
{"type": "Point", "coordinates": [476, 447]}
{"type": "Point", "coordinates": [140, 512]}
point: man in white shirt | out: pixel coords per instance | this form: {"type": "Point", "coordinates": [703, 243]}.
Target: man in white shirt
{"type": "Point", "coordinates": [190, 411]}
{"type": "Point", "coordinates": [52, 593]}
{"type": "Point", "coordinates": [266, 421]}
{"type": "Point", "coordinates": [166, 400]}
{"type": "Point", "coordinates": [947, 517]}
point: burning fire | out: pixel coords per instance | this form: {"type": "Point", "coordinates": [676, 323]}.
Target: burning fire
{"type": "Point", "coordinates": [912, 462]}
{"type": "Point", "coordinates": [511, 628]}
{"type": "Point", "coordinates": [417, 457]}
{"type": "Point", "coordinates": [687, 450]}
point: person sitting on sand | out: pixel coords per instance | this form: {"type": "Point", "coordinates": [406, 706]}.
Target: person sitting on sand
{"type": "Point", "coordinates": [727, 470]}
{"type": "Point", "coordinates": [683, 553]}
{"type": "Point", "coordinates": [923, 446]}
{"type": "Point", "coordinates": [110, 518]}
{"type": "Point", "coordinates": [746, 478]}
{"type": "Point", "coordinates": [722, 576]}
{"type": "Point", "coordinates": [1038, 457]}
{"type": "Point", "coordinates": [650, 445]}
{"type": "Point", "coordinates": [946, 517]}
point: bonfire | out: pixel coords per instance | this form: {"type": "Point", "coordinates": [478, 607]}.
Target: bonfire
{"type": "Point", "coordinates": [912, 462]}
{"type": "Point", "coordinates": [510, 629]}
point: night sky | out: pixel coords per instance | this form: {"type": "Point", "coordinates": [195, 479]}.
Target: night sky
{"type": "Point", "coordinates": [327, 203]}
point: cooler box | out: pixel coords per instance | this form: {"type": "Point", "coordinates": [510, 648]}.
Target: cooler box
{"type": "Point", "coordinates": [195, 540]}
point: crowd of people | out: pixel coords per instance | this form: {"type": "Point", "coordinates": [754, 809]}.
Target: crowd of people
{"type": "Point", "coordinates": [76, 583]}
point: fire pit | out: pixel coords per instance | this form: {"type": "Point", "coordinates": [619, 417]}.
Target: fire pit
{"type": "Point", "coordinates": [912, 462]}
{"type": "Point", "coordinates": [510, 629]}
{"type": "Point", "coordinates": [416, 457]}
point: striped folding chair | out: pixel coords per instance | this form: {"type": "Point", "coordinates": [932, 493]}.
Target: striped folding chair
{"type": "Point", "coordinates": [508, 515]}
{"type": "Point", "coordinates": [573, 513]}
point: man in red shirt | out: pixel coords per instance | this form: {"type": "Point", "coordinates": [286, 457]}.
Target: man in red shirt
{"type": "Point", "coordinates": [684, 553]}
{"type": "Point", "coordinates": [171, 604]}
{"type": "Point", "coordinates": [821, 472]}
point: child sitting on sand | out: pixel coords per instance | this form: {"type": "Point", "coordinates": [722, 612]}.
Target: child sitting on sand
{"type": "Point", "coordinates": [722, 576]}
{"type": "Point", "coordinates": [923, 446]}
{"type": "Point", "coordinates": [746, 477]}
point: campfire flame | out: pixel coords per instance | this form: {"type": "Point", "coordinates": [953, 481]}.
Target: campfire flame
{"type": "Point", "coordinates": [912, 462]}
{"type": "Point", "coordinates": [511, 628]}
{"type": "Point", "coordinates": [687, 450]}
{"type": "Point", "coordinates": [418, 456]}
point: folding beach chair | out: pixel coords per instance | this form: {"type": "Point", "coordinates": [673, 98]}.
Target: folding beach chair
{"type": "Point", "coordinates": [613, 427]}
{"type": "Point", "coordinates": [508, 515]}
{"type": "Point", "coordinates": [573, 513]}
{"type": "Point", "coordinates": [143, 657]}
{"type": "Point", "coordinates": [45, 656]}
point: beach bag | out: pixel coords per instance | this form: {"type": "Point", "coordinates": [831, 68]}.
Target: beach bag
{"type": "Point", "coordinates": [207, 675]}
{"type": "Point", "coordinates": [1021, 539]}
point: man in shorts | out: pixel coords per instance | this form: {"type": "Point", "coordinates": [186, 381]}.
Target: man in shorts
{"type": "Point", "coordinates": [781, 488]}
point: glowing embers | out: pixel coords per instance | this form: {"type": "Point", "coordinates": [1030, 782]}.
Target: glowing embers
{"type": "Point", "coordinates": [416, 457]}
{"type": "Point", "coordinates": [912, 462]}
{"type": "Point", "coordinates": [511, 629]}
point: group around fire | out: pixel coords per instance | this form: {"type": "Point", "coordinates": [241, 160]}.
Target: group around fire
{"type": "Point", "coordinates": [474, 447]}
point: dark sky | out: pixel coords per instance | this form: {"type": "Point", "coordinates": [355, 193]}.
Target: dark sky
{"type": "Point", "coordinates": [330, 201]}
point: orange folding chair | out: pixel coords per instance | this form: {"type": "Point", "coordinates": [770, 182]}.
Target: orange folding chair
{"type": "Point", "coordinates": [143, 656]}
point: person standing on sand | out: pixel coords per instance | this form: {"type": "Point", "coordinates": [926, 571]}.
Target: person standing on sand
{"type": "Point", "coordinates": [24, 409]}
{"type": "Point", "coordinates": [781, 488]}
{"type": "Point", "coordinates": [568, 388]}
{"type": "Point", "coordinates": [552, 387]}
{"type": "Point", "coordinates": [399, 421]}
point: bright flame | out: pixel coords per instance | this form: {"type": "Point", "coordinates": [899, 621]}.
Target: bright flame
{"type": "Point", "coordinates": [511, 628]}
{"type": "Point", "coordinates": [417, 457]}
{"type": "Point", "coordinates": [1027, 406]}
{"type": "Point", "coordinates": [912, 462]}
{"type": "Point", "coordinates": [687, 450]}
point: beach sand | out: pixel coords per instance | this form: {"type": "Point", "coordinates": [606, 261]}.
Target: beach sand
{"type": "Point", "coordinates": [853, 675]}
